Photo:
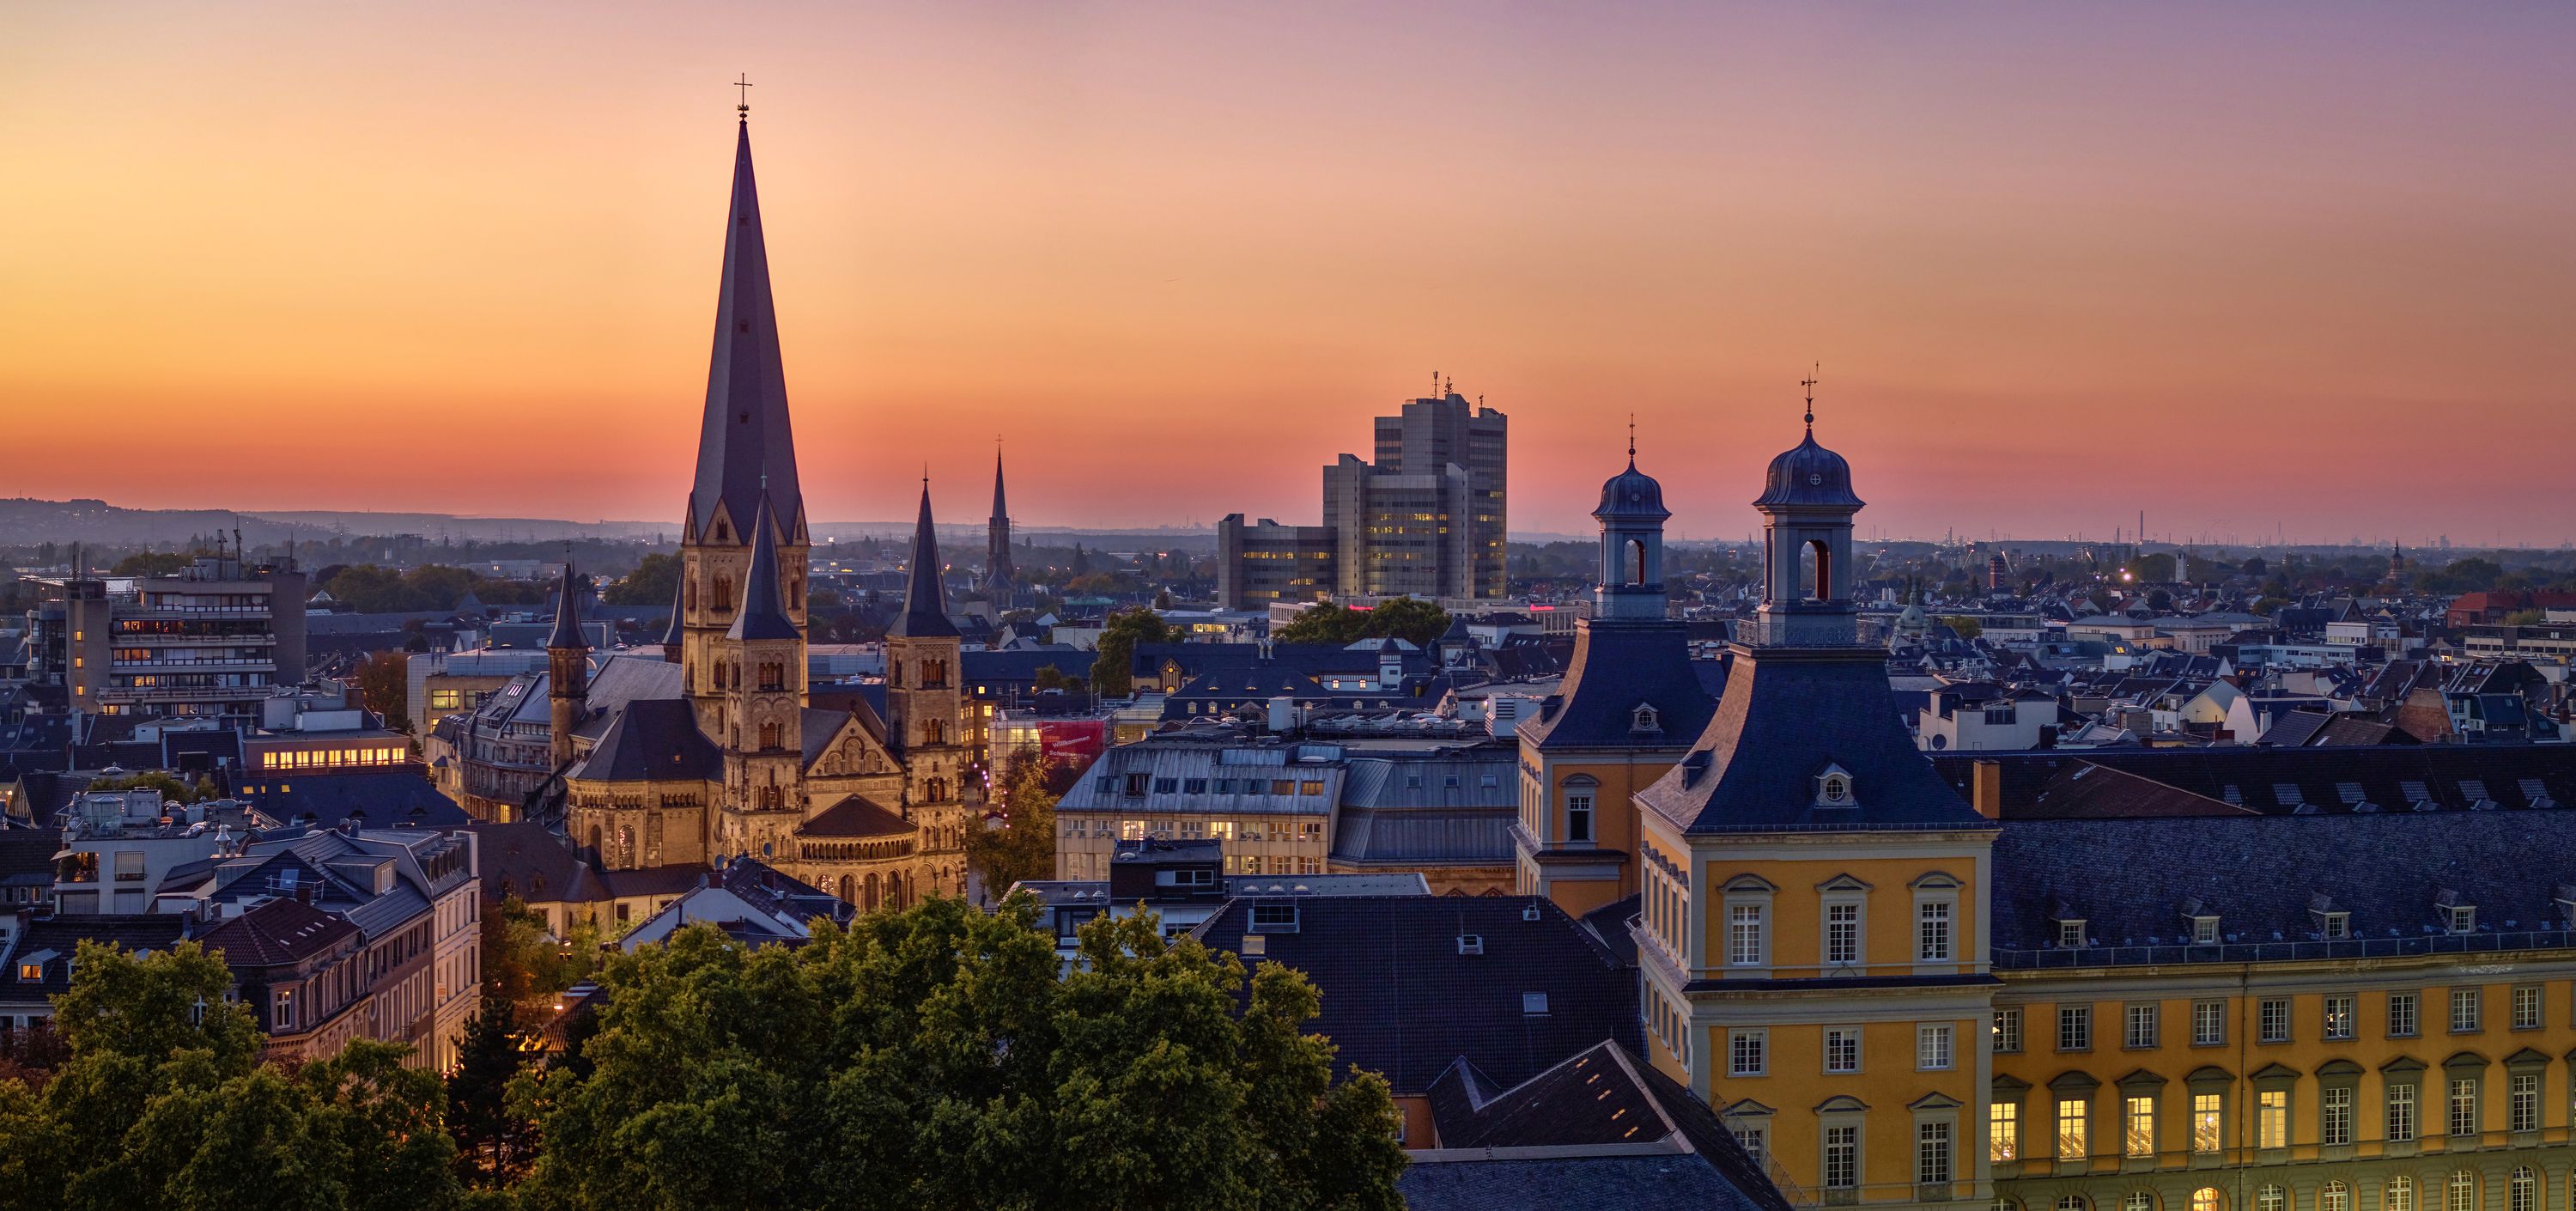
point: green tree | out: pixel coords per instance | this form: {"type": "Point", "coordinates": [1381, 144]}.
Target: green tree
{"type": "Point", "coordinates": [2152, 568]}
{"type": "Point", "coordinates": [654, 582]}
{"type": "Point", "coordinates": [1112, 671]}
{"type": "Point", "coordinates": [163, 1104]}
{"type": "Point", "coordinates": [1326, 623]}
{"type": "Point", "coordinates": [384, 686]}
{"type": "Point", "coordinates": [172, 790]}
{"type": "Point", "coordinates": [2526, 618]}
{"type": "Point", "coordinates": [1964, 627]}
{"type": "Point", "coordinates": [493, 1145]}
{"type": "Point", "coordinates": [1023, 847]}
{"type": "Point", "coordinates": [937, 1058]}
{"type": "Point", "coordinates": [150, 563]}
{"type": "Point", "coordinates": [1411, 619]}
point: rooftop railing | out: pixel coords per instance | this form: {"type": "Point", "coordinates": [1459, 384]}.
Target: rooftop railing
{"type": "Point", "coordinates": [2284, 952]}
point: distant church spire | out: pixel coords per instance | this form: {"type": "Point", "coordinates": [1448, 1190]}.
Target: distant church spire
{"type": "Point", "coordinates": [999, 575]}
{"type": "Point", "coordinates": [746, 450]}
{"type": "Point", "coordinates": [925, 599]}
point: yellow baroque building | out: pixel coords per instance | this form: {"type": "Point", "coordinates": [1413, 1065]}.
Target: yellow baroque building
{"type": "Point", "coordinates": [1896, 1001]}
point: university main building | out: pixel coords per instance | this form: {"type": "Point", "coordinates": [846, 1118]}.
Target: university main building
{"type": "Point", "coordinates": [713, 748]}
{"type": "Point", "coordinates": [1897, 1000]}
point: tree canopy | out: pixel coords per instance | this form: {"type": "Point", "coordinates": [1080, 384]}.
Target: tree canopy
{"type": "Point", "coordinates": [1023, 847]}
{"type": "Point", "coordinates": [938, 1058]}
{"type": "Point", "coordinates": [1112, 671]}
{"type": "Point", "coordinates": [654, 582]}
{"type": "Point", "coordinates": [1411, 619]}
{"type": "Point", "coordinates": [163, 1104]}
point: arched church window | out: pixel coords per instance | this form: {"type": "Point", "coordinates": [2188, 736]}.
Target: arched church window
{"type": "Point", "coordinates": [1637, 561]}
{"type": "Point", "coordinates": [688, 593]}
{"type": "Point", "coordinates": [1821, 587]}
{"type": "Point", "coordinates": [724, 592]}
{"type": "Point", "coordinates": [769, 734]}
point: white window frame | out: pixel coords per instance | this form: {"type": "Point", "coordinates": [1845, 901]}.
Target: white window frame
{"type": "Point", "coordinates": [2209, 1023]}
{"type": "Point", "coordinates": [1748, 1043]}
{"type": "Point", "coordinates": [1934, 1047]}
{"type": "Point", "coordinates": [1839, 1042]}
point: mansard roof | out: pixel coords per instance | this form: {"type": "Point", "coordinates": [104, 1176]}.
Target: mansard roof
{"type": "Point", "coordinates": [1619, 666]}
{"type": "Point", "coordinates": [1789, 715]}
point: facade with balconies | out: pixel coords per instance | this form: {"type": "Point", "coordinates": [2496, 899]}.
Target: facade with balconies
{"type": "Point", "coordinates": [215, 639]}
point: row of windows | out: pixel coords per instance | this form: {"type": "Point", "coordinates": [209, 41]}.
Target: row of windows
{"type": "Point", "coordinates": [1935, 1049]}
{"type": "Point", "coordinates": [1136, 784]}
{"type": "Point", "coordinates": [2141, 1025]}
{"type": "Point", "coordinates": [1748, 941]}
{"type": "Point", "coordinates": [2337, 1125]}
{"type": "Point", "coordinates": [2459, 1193]}
{"type": "Point", "coordinates": [1933, 1153]}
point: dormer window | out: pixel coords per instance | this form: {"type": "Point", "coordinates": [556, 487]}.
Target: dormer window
{"type": "Point", "coordinates": [1645, 719]}
{"type": "Point", "coordinates": [2204, 929]}
{"type": "Point", "coordinates": [2070, 934]}
{"type": "Point", "coordinates": [2334, 922]}
{"type": "Point", "coordinates": [2461, 919]}
{"type": "Point", "coordinates": [1834, 788]}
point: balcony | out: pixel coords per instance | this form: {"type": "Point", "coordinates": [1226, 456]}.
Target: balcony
{"type": "Point", "coordinates": [239, 662]}
{"type": "Point", "coordinates": [140, 610]}
{"type": "Point", "coordinates": [184, 693]}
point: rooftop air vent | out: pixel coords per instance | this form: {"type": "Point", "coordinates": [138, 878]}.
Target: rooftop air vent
{"type": "Point", "coordinates": [1471, 944]}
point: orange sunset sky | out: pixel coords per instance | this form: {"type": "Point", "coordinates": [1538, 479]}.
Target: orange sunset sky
{"type": "Point", "coordinates": [2299, 265]}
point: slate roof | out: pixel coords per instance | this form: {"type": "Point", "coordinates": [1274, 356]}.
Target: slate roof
{"type": "Point", "coordinates": [2128, 880]}
{"type": "Point", "coordinates": [276, 934]}
{"type": "Point", "coordinates": [2085, 791]}
{"type": "Point", "coordinates": [854, 818]}
{"type": "Point", "coordinates": [528, 860]}
{"type": "Point", "coordinates": [63, 935]}
{"type": "Point", "coordinates": [746, 448]}
{"type": "Point", "coordinates": [1617, 666]}
{"type": "Point", "coordinates": [763, 614]}
{"type": "Point", "coordinates": [1808, 474]}
{"type": "Point", "coordinates": [656, 738]}
{"type": "Point", "coordinates": [925, 598]}
{"type": "Point", "coordinates": [1788, 715]}
{"type": "Point", "coordinates": [27, 857]}
{"type": "Point", "coordinates": [815, 729]}
{"type": "Point", "coordinates": [1580, 1183]}
{"type": "Point", "coordinates": [399, 798]}
{"type": "Point", "coordinates": [2387, 777]}
{"type": "Point", "coordinates": [1399, 998]}
{"type": "Point", "coordinates": [567, 628]}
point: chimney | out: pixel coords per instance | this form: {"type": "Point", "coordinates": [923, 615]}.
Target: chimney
{"type": "Point", "coordinates": [1986, 789]}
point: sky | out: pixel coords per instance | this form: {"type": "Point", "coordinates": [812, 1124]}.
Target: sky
{"type": "Point", "coordinates": [2285, 268]}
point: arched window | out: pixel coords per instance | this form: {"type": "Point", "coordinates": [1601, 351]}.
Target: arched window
{"type": "Point", "coordinates": [689, 592]}
{"type": "Point", "coordinates": [2138, 1200]}
{"type": "Point", "coordinates": [2462, 1194]}
{"type": "Point", "coordinates": [1822, 587]}
{"type": "Point", "coordinates": [934, 731]}
{"type": "Point", "coordinates": [1637, 561]}
{"type": "Point", "coordinates": [2401, 1194]}
{"type": "Point", "coordinates": [2205, 1199]}
{"type": "Point", "coordinates": [848, 885]}
{"type": "Point", "coordinates": [2334, 1196]}
{"type": "Point", "coordinates": [2271, 1198]}
{"type": "Point", "coordinates": [724, 593]}
{"type": "Point", "coordinates": [871, 902]}
{"type": "Point", "coordinates": [594, 842]}
{"type": "Point", "coordinates": [2072, 1202]}
{"type": "Point", "coordinates": [2524, 1193]}
{"type": "Point", "coordinates": [769, 734]}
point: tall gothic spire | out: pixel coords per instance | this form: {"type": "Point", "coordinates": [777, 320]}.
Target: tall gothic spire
{"type": "Point", "coordinates": [925, 599]}
{"type": "Point", "coordinates": [763, 615]}
{"type": "Point", "coordinates": [746, 450]}
{"type": "Point", "coordinates": [1001, 511]}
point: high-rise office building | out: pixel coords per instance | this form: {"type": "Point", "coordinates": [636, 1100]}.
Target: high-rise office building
{"type": "Point", "coordinates": [1426, 519]}
{"type": "Point", "coordinates": [214, 639]}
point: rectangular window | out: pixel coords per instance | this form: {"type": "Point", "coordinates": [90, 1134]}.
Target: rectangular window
{"type": "Point", "coordinates": [1842, 934]}
{"type": "Point", "coordinates": [2464, 1010]}
{"type": "Point", "coordinates": [2402, 1020]}
{"type": "Point", "coordinates": [2401, 1113]}
{"type": "Point", "coordinates": [2334, 1115]}
{"type": "Point", "coordinates": [1842, 1049]}
{"type": "Point", "coordinates": [2074, 1028]}
{"type": "Point", "coordinates": [2206, 1134]}
{"type": "Point", "coordinates": [2464, 1106]}
{"type": "Point", "coordinates": [2526, 1007]}
{"type": "Point", "coordinates": [2524, 1098]}
{"type": "Point", "coordinates": [1745, 1052]}
{"type": "Point", "coordinates": [2138, 1126]}
{"type": "Point", "coordinates": [2073, 1138]}
{"type": "Point", "coordinates": [282, 1011]}
{"type": "Point", "coordinates": [1932, 1153]}
{"type": "Point", "coordinates": [2208, 1023]}
{"type": "Point", "coordinates": [1932, 1048]}
{"type": "Point", "coordinates": [1744, 935]}
{"type": "Point", "coordinates": [2008, 1029]}
{"type": "Point", "coordinates": [1933, 938]}
{"type": "Point", "coordinates": [2272, 1018]}
{"type": "Point", "coordinates": [1578, 816]}
{"type": "Point", "coordinates": [2272, 1118]}
{"type": "Point", "coordinates": [2338, 1021]}
{"type": "Point", "coordinates": [2003, 1131]}
{"type": "Point", "coordinates": [1842, 1157]}
{"type": "Point", "coordinates": [1754, 1138]}
{"type": "Point", "coordinates": [2141, 1026]}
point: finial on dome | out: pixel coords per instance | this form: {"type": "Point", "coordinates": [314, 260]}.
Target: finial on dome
{"type": "Point", "coordinates": [1632, 441]}
{"type": "Point", "coordinates": [1809, 383]}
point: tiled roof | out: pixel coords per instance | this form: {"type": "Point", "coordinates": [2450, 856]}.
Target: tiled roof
{"type": "Point", "coordinates": [854, 817]}
{"type": "Point", "coordinates": [532, 862]}
{"type": "Point", "coordinates": [1399, 998]}
{"type": "Point", "coordinates": [2386, 777]}
{"type": "Point", "coordinates": [651, 739]}
{"type": "Point", "coordinates": [277, 933]}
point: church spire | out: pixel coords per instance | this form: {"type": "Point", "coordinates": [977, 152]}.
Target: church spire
{"type": "Point", "coordinates": [1001, 511]}
{"type": "Point", "coordinates": [763, 615]}
{"type": "Point", "coordinates": [925, 599]}
{"type": "Point", "coordinates": [567, 633]}
{"type": "Point", "coordinates": [746, 451]}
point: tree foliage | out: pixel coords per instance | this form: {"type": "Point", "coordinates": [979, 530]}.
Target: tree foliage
{"type": "Point", "coordinates": [524, 963]}
{"type": "Point", "coordinates": [150, 563]}
{"type": "Point", "coordinates": [384, 686]}
{"type": "Point", "coordinates": [163, 1104]}
{"type": "Point", "coordinates": [654, 582]}
{"type": "Point", "coordinates": [936, 1058]}
{"type": "Point", "coordinates": [172, 790]}
{"type": "Point", "coordinates": [493, 1144]}
{"type": "Point", "coordinates": [1023, 847]}
{"type": "Point", "coordinates": [1112, 671]}
{"type": "Point", "coordinates": [1964, 627]}
{"type": "Point", "coordinates": [1411, 619]}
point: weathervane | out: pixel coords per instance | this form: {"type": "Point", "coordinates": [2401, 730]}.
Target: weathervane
{"type": "Point", "coordinates": [742, 95]}
{"type": "Point", "coordinates": [1809, 383]}
{"type": "Point", "coordinates": [1632, 439]}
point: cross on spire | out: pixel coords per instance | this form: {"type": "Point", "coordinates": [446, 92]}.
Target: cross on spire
{"type": "Point", "coordinates": [742, 95]}
{"type": "Point", "coordinates": [1632, 439]}
{"type": "Point", "coordinates": [1809, 383]}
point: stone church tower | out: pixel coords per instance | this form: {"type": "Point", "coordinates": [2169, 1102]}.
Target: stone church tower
{"type": "Point", "coordinates": [923, 709]}
{"type": "Point", "coordinates": [567, 670]}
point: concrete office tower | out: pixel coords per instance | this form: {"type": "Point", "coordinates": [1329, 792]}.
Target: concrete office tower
{"type": "Point", "coordinates": [1427, 519]}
